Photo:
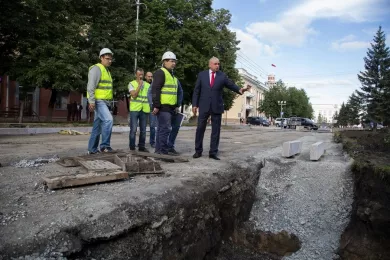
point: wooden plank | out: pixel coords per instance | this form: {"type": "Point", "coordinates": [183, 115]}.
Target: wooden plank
{"type": "Point", "coordinates": [119, 162]}
{"type": "Point", "coordinates": [67, 161]}
{"type": "Point", "coordinates": [58, 182]}
{"type": "Point", "coordinates": [161, 156]}
{"type": "Point", "coordinates": [99, 165]}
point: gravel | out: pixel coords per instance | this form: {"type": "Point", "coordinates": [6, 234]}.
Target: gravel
{"type": "Point", "coordinates": [36, 162]}
{"type": "Point", "coordinates": [313, 200]}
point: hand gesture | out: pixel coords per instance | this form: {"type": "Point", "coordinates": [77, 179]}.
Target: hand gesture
{"type": "Point", "coordinates": [242, 90]}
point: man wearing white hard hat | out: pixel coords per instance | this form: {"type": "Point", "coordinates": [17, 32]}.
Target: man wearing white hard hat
{"type": "Point", "coordinates": [165, 100]}
{"type": "Point", "coordinates": [99, 94]}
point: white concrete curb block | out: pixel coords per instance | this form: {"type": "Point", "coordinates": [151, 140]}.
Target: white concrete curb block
{"type": "Point", "coordinates": [291, 148]}
{"type": "Point", "coordinates": [316, 151]}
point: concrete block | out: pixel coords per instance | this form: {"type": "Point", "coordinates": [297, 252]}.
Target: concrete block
{"type": "Point", "coordinates": [291, 148]}
{"type": "Point", "coordinates": [316, 151]}
{"type": "Point", "coordinates": [299, 128]}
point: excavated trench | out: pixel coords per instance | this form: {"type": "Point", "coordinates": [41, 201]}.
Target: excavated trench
{"type": "Point", "coordinates": [368, 233]}
{"type": "Point", "coordinates": [194, 220]}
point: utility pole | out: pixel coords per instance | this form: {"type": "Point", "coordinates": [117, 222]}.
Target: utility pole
{"type": "Point", "coordinates": [137, 3]}
{"type": "Point", "coordinates": [281, 104]}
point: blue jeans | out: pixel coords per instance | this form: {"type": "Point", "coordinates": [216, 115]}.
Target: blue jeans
{"type": "Point", "coordinates": [153, 125]}
{"type": "Point", "coordinates": [135, 117]}
{"type": "Point", "coordinates": [175, 122]}
{"type": "Point", "coordinates": [102, 124]}
{"type": "Point", "coordinates": [164, 127]}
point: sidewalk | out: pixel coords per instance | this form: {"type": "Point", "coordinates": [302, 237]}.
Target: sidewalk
{"type": "Point", "coordinates": [53, 130]}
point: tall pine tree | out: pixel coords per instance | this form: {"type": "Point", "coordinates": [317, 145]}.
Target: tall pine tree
{"type": "Point", "coordinates": [374, 92]}
{"type": "Point", "coordinates": [353, 109]}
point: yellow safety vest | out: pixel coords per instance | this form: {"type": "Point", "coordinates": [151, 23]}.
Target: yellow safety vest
{"type": "Point", "coordinates": [141, 102]}
{"type": "Point", "coordinates": [103, 90]}
{"type": "Point", "coordinates": [169, 90]}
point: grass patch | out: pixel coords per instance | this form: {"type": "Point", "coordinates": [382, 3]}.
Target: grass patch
{"type": "Point", "coordinates": [369, 149]}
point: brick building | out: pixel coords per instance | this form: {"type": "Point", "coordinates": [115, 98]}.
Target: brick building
{"type": "Point", "coordinates": [37, 101]}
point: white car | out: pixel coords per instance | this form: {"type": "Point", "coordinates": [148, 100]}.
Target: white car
{"type": "Point", "coordinates": [278, 122]}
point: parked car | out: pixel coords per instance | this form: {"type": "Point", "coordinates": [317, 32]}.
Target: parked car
{"type": "Point", "coordinates": [266, 122]}
{"type": "Point", "coordinates": [309, 124]}
{"type": "Point", "coordinates": [293, 122]}
{"type": "Point", "coordinates": [280, 121]}
{"type": "Point", "coordinates": [256, 120]}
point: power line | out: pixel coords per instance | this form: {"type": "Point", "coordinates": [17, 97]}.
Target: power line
{"type": "Point", "coordinates": [247, 63]}
{"type": "Point", "coordinates": [253, 62]}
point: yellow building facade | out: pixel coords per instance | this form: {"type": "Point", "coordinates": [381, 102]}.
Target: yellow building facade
{"type": "Point", "coordinates": [246, 105]}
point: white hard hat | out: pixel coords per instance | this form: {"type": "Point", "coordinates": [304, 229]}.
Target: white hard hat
{"type": "Point", "coordinates": [105, 51]}
{"type": "Point", "coordinates": [169, 56]}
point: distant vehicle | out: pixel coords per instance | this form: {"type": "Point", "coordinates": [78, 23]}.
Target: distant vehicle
{"type": "Point", "coordinates": [280, 121]}
{"type": "Point", "coordinates": [293, 122]}
{"type": "Point", "coordinates": [379, 126]}
{"type": "Point", "coordinates": [256, 120]}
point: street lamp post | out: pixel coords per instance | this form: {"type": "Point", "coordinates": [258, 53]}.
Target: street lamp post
{"type": "Point", "coordinates": [137, 3]}
{"type": "Point", "coordinates": [281, 104]}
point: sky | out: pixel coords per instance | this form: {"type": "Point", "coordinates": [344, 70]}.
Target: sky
{"type": "Point", "coordinates": [317, 45]}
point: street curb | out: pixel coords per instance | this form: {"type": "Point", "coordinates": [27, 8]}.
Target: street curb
{"type": "Point", "coordinates": [54, 130]}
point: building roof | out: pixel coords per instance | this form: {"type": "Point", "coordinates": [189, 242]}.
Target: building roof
{"type": "Point", "coordinates": [252, 79]}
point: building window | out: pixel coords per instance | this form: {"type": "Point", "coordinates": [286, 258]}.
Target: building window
{"type": "Point", "coordinates": [62, 100]}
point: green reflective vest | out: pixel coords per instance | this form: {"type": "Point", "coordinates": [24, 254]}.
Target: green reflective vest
{"type": "Point", "coordinates": [141, 102]}
{"type": "Point", "coordinates": [169, 90]}
{"type": "Point", "coordinates": [103, 90]}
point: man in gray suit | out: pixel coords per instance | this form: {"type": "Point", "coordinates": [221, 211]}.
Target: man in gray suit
{"type": "Point", "coordinates": [208, 98]}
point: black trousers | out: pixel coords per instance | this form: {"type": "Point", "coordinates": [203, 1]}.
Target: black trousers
{"type": "Point", "coordinates": [215, 132]}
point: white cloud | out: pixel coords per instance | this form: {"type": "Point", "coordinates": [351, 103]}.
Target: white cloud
{"type": "Point", "coordinates": [294, 26]}
{"type": "Point", "coordinates": [349, 43]}
{"type": "Point", "coordinates": [251, 46]}
{"type": "Point", "coordinates": [370, 31]}
{"type": "Point", "coordinates": [328, 90]}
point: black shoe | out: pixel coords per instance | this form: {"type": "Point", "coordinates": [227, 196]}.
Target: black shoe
{"type": "Point", "coordinates": [96, 152]}
{"type": "Point", "coordinates": [197, 155]}
{"type": "Point", "coordinates": [143, 149]}
{"type": "Point", "coordinates": [172, 151]}
{"type": "Point", "coordinates": [132, 148]}
{"type": "Point", "coordinates": [106, 150]}
{"type": "Point", "coordinates": [213, 156]}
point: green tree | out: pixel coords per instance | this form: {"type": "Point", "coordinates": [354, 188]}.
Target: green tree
{"type": "Point", "coordinates": [375, 90]}
{"type": "Point", "coordinates": [353, 108]}
{"type": "Point", "coordinates": [269, 104]}
{"type": "Point", "coordinates": [335, 117]}
{"type": "Point", "coordinates": [48, 54]}
{"type": "Point", "coordinates": [297, 101]}
{"type": "Point", "coordinates": [53, 45]}
{"type": "Point", "coordinates": [194, 32]}
{"type": "Point", "coordinates": [320, 118]}
{"type": "Point", "coordinates": [342, 119]}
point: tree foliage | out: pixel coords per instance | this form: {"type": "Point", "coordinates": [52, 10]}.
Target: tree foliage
{"type": "Point", "coordinates": [52, 45]}
{"type": "Point", "coordinates": [297, 101]}
{"type": "Point", "coordinates": [375, 90]}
